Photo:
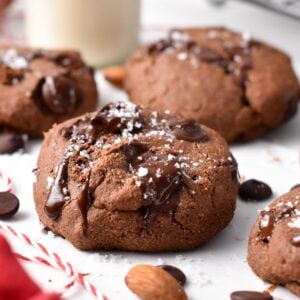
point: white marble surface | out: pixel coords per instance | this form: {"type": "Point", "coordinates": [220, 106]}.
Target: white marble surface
{"type": "Point", "coordinates": [219, 267]}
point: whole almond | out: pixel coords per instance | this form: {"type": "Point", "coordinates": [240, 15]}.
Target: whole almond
{"type": "Point", "coordinates": [115, 75]}
{"type": "Point", "coordinates": [153, 283]}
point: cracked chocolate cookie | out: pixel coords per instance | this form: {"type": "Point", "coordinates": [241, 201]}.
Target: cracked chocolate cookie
{"type": "Point", "coordinates": [133, 179]}
{"type": "Point", "coordinates": [40, 88]}
{"type": "Point", "coordinates": [236, 85]}
{"type": "Point", "coordinates": [274, 242]}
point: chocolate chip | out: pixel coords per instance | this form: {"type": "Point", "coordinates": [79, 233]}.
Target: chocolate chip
{"type": "Point", "coordinates": [60, 94]}
{"type": "Point", "coordinates": [187, 129]}
{"type": "Point", "coordinates": [254, 190]}
{"type": "Point", "coordinates": [9, 205]}
{"type": "Point", "coordinates": [250, 295]}
{"type": "Point", "coordinates": [175, 272]}
{"type": "Point", "coordinates": [10, 142]}
{"type": "Point", "coordinates": [296, 186]}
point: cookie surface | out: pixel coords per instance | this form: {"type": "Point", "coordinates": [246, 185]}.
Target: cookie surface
{"type": "Point", "coordinates": [40, 88]}
{"type": "Point", "coordinates": [238, 86]}
{"type": "Point", "coordinates": [274, 242]}
{"type": "Point", "coordinates": [132, 179]}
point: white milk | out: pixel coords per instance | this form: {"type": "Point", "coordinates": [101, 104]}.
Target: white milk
{"type": "Point", "coordinates": [105, 31]}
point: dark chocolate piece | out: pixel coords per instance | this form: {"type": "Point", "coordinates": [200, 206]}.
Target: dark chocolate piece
{"type": "Point", "coordinates": [254, 190]}
{"type": "Point", "coordinates": [250, 295]}
{"type": "Point", "coordinates": [9, 205]}
{"type": "Point", "coordinates": [60, 94]}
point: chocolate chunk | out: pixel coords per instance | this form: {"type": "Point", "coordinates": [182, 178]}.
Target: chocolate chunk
{"type": "Point", "coordinates": [9, 205]}
{"type": "Point", "coordinates": [10, 142]}
{"type": "Point", "coordinates": [250, 295]}
{"type": "Point", "coordinates": [175, 272]}
{"type": "Point", "coordinates": [132, 151]}
{"type": "Point", "coordinates": [160, 180]}
{"type": "Point", "coordinates": [116, 117]}
{"type": "Point", "coordinates": [59, 193]}
{"type": "Point", "coordinates": [187, 129]}
{"type": "Point", "coordinates": [296, 186]}
{"type": "Point", "coordinates": [254, 190]}
{"type": "Point", "coordinates": [60, 94]}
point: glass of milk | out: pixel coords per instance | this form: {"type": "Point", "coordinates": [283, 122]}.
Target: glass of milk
{"type": "Point", "coordinates": [104, 31]}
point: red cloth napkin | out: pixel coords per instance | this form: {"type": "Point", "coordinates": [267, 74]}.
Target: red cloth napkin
{"type": "Point", "coordinates": [15, 284]}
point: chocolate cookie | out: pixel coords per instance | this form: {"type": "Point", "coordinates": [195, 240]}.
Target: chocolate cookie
{"type": "Point", "coordinates": [127, 178]}
{"type": "Point", "coordinates": [274, 242]}
{"type": "Point", "coordinates": [39, 88]}
{"type": "Point", "coordinates": [236, 85]}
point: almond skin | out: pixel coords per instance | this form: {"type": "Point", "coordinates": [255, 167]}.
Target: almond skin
{"type": "Point", "coordinates": [153, 283]}
{"type": "Point", "coordinates": [115, 75]}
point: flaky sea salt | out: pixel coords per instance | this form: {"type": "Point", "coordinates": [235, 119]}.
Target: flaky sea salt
{"type": "Point", "coordinates": [294, 223]}
{"type": "Point", "coordinates": [142, 172]}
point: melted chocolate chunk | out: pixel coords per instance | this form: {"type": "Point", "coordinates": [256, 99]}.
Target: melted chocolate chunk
{"type": "Point", "coordinates": [250, 295]}
{"type": "Point", "coordinates": [254, 190]}
{"type": "Point", "coordinates": [85, 201]}
{"type": "Point", "coordinates": [59, 193]}
{"type": "Point", "coordinates": [175, 272]}
{"type": "Point", "coordinates": [160, 181]}
{"type": "Point", "coordinates": [132, 151]}
{"type": "Point", "coordinates": [271, 217]}
{"type": "Point", "coordinates": [295, 241]}
{"type": "Point", "coordinates": [187, 129]}
{"type": "Point", "coordinates": [59, 94]}
{"type": "Point", "coordinates": [9, 205]}
{"type": "Point", "coordinates": [117, 117]}
{"type": "Point", "coordinates": [10, 142]}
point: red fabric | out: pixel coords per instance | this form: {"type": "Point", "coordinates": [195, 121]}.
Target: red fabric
{"type": "Point", "coordinates": [15, 284]}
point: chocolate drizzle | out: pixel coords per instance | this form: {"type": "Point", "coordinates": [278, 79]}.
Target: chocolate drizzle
{"type": "Point", "coordinates": [59, 193]}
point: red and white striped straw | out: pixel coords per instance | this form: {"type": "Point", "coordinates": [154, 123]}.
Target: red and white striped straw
{"type": "Point", "coordinates": [52, 259]}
